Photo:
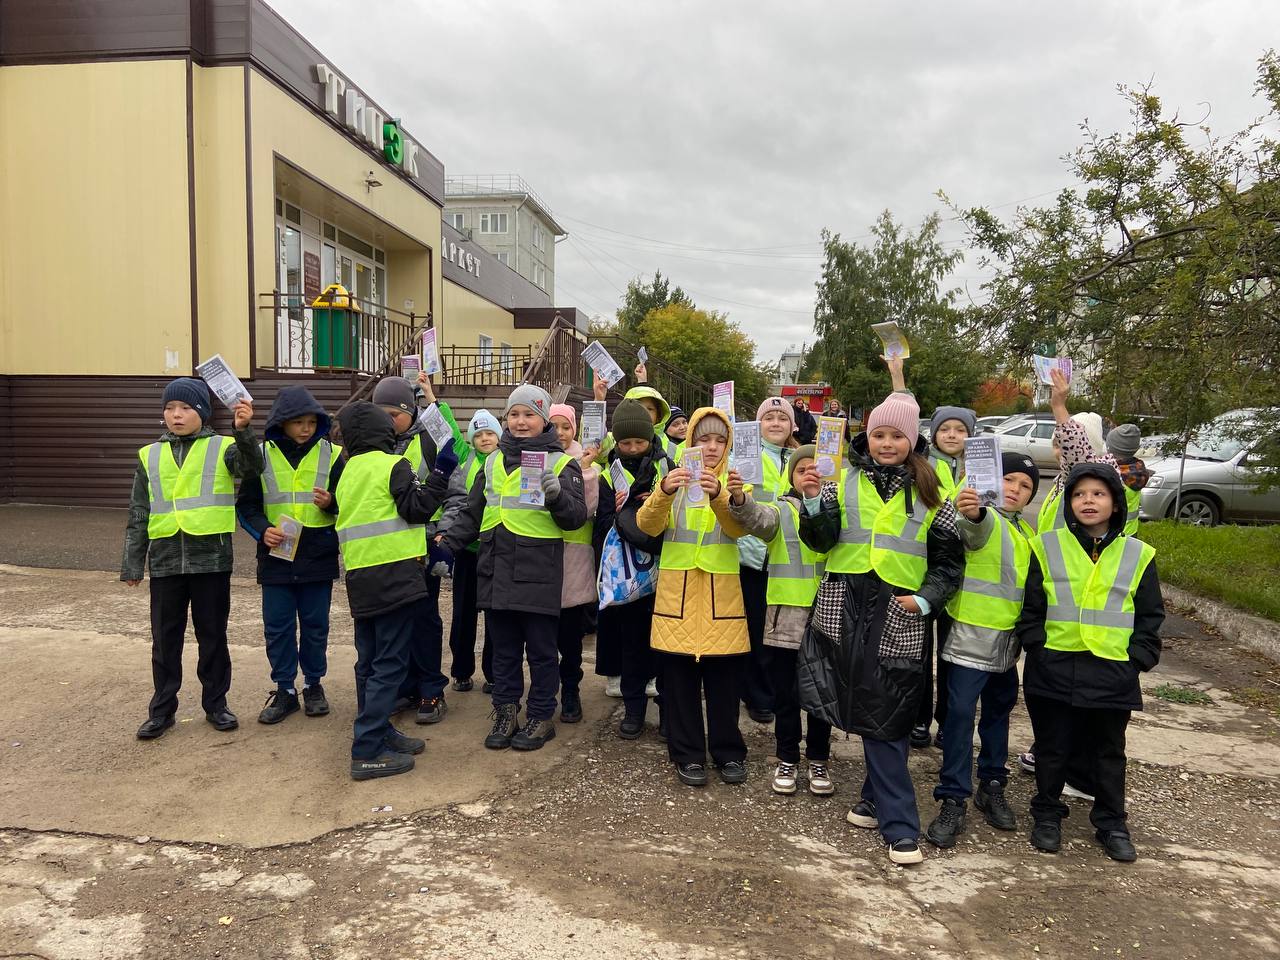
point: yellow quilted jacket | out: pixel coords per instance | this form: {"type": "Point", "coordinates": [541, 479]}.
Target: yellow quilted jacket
{"type": "Point", "coordinates": [695, 612]}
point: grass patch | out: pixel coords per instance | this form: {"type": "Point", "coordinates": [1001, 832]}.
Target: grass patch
{"type": "Point", "coordinates": [1238, 565]}
{"type": "Point", "coordinates": [1178, 694]}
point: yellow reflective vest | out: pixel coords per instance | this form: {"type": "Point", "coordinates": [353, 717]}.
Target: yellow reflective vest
{"type": "Point", "coordinates": [502, 504]}
{"type": "Point", "coordinates": [1132, 500]}
{"type": "Point", "coordinates": [694, 539]}
{"type": "Point", "coordinates": [794, 570]}
{"type": "Point", "coordinates": [995, 576]}
{"type": "Point", "coordinates": [197, 498]}
{"type": "Point", "coordinates": [370, 529]}
{"type": "Point", "coordinates": [288, 492]}
{"type": "Point", "coordinates": [879, 535]}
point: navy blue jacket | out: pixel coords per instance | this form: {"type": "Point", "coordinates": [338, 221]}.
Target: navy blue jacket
{"type": "Point", "coordinates": [317, 556]}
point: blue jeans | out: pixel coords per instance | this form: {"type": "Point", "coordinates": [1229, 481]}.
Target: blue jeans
{"type": "Point", "coordinates": [295, 620]}
{"type": "Point", "coordinates": [424, 678]}
{"type": "Point", "coordinates": [888, 785]}
{"type": "Point", "coordinates": [382, 656]}
{"type": "Point", "coordinates": [998, 693]}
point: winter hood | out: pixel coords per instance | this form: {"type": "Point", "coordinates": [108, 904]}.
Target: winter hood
{"type": "Point", "coordinates": [366, 426]}
{"type": "Point", "coordinates": [293, 402]}
{"type": "Point", "coordinates": [645, 392]}
{"type": "Point", "coordinates": [1108, 475]}
{"type": "Point", "coordinates": [697, 417]}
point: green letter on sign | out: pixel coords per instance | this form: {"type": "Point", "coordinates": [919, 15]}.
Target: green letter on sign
{"type": "Point", "coordinates": [392, 145]}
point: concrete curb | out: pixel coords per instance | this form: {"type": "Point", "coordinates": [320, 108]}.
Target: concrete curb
{"type": "Point", "coordinates": [1235, 625]}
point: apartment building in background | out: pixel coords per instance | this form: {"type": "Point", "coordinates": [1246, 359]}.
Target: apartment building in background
{"type": "Point", "coordinates": [501, 213]}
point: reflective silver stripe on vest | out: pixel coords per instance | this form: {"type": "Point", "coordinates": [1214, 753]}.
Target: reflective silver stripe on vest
{"type": "Point", "coordinates": [206, 497]}
{"type": "Point", "coordinates": [1008, 570]}
{"type": "Point", "coordinates": [273, 493]}
{"type": "Point", "coordinates": [795, 568]}
{"type": "Point", "coordinates": [679, 531]}
{"type": "Point", "coordinates": [906, 542]}
{"type": "Point", "coordinates": [494, 498]}
{"type": "Point", "coordinates": [851, 529]}
{"type": "Point", "coordinates": [1131, 516]}
{"type": "Point", "coordinates": [1113, 614]}
{"type": "Point", "coordinates": [761, 494]}
{"type": "Point", "coordinates": [361, 531]}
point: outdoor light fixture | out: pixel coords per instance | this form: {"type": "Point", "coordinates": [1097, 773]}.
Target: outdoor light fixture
{"type": "Point", "coordinates": [370, 181]}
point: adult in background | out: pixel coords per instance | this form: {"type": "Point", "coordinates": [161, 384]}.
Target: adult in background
{"type": "Point", "coordinates": [806, 426]}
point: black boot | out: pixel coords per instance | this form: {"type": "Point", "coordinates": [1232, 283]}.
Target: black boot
{"type": "Point", "coordinates": [1118, 845]}
{"type": "Point", "coordinates": [995, 808]}
{"type": "Point", "coordinates": [920, 736]}
{"type": "Point", "coordinates": [570, 707]}
{"type": "Point", "coordinates": [947, 824]}
{"type": "Point", "coordinates": [504, 726]}
{"type": "Point", "coordinates": [280, 703]}
{"type": "Point", "coordinates": [1046, 835]}
{"type": "Point", "coordinates": [387, 764]}
{"type": "Point", "coordinates": [223, 720]}
{"type": "Point", "coordinates": [534, 735]}
{"type": "Point", "coordinates": [631, 727]}
{"type": "Point", "coordinates": [154, 727]}
{"type": "Point", "coordinates": [397, 742]}
{"type": "Point", "coordinates": [314, 702]}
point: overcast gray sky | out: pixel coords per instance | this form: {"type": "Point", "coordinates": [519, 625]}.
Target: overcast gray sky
{"type": "Point", "coordinates": [678, 135]}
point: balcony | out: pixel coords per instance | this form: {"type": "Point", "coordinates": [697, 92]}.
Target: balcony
{"type": "Point", "coordinates": [368, 339]}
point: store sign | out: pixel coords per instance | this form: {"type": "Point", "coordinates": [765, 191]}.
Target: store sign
{"type": "Point", "coordinates": [348, 107]}
{"type": "Point", "coordinates": [456, 254]}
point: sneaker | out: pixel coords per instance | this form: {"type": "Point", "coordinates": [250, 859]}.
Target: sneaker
{"type": "Point", "coordinates": [631, 727]}
{"type": "Point", "coordinates": [1027, 762]}
{"type": "Point", "coordinates": [920, 736]}
{"type": "Point", "coordinates": [784, 778]}
{"type": "Point", "coordinates": [397, 742]}
{"type": "Point", "coordinates": [1118, 845]}
{"type": "Point", "coordinates": [154, 727]}
{"type": "Point", "coordinates": [504, 726]}
{"type": "Point", "coordinates": [570, 708]}
{"type": "Point", "coordinates": [462, 685]}
{"type": "Point", "coordinates": [692, 774]}
{"type": "Point", "coordinates": [651, 689]}
{"type": "Point", "coordinates": [613, 687]}
{"type": "Point", "coordinates": [735, 771]}
{"type": "Point", "coordinates": [905, 852]}
{"type": "Point", "coordinates": [1046, 835]}
{"type": "Point", "coordinates": [760, 716]}
{"type": "Point", "coordinates": [947, 824]}
{"type": "Point", "coordinates": [534, 735]}
{"type": "Point", "coordinates": [314, 702]}
{"type": "Point", "coordinates": [432, 711]}
{"type": "Point", "coordinates": [223, 720]}
{"type": "Point", "coordinates": [487, 687]}
{"type": "Point", "coordinates": [1069, 791]}
{"type": "Point", "coordinates": [995, 808]}
{"type": "Point", "coordinates": [280, 703]}
{"type": "Point", "coordinates": [386, 765]}
{"type": "Point", "coordinates": [863, 814]}
{"type": "Point", "coordinates": [820, 782]}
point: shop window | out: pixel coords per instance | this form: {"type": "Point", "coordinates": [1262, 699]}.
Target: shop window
{"type": "Point", "coordinates": [355, 244]}
{"type": "Point", "coordinates": [310, 224]}
{"type": "Point", "coordinates": [493, 223]}
{"type": "Point", "coordinates": [330, 232]}
{"type": "Point", "coordinates": [279, 207]}
{"type": "Point", "coordinates": [292, 214]}
{"type": "Point", "coordinates": [379, 257]}
{"type": "Point", "coordinates": [486, 351]}
{"type": "Point", "coordinates": [328, 265]}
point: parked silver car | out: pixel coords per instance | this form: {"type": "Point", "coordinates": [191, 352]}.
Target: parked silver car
{"type": "Point", "coordinates": [1033, 437]}
{"type": "Point", "coordinates": [1218, 482]}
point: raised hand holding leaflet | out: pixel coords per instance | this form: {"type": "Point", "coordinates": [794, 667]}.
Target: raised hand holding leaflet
{"type": "Point", "coordinates": [1046, 365]}
{"type": "Point", "coordinates": [288, 547]}
{"type": "Point", "coordinates": [983, 468]}
{"type": "Point", "coordinates": [642, 355]}
{"type": "Point", "coordinates": [598, 359]}
{"type": "Point", "coordinates": [830, 445]}
{"type": "Point", "coordinates": [618, 478]}
{"type": "Point", "coordinates": [692, 461]}
{"type": "Point", "coordinates": [226, 386]}
{"type": "Point", "coordinates": [532, 463]}
{"type": "Point", "coordinates": [722, 398]}
{"type": "Point", "coordinates": [437, 426]}
{"type": "Point", "coordinates": [593, 414]}
{"type": "Point", "coordinates": [746, 451]}
{"type": "Point", "coordinates": [430, 352]}
{"type": "Point", "coordinates": [892, 339]}
{"type": "Point", "coordinates": [410, 366]}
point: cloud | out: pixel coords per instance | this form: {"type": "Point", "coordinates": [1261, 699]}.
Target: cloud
{"type": "Point", "coordinates": [748, 127]}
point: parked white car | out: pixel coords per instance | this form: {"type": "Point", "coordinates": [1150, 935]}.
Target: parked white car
{"type": "Point", "coordinates": [1034, 438]}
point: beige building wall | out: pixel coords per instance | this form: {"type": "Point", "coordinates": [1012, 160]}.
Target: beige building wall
{"type": "Point", "coordinates": [94, 243]}
{"type": "Point", "coordinates": [467, 315]}
{"type": "Point", "coordinates": [281, 125]}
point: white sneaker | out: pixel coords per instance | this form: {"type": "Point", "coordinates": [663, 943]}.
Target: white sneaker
{"type": "Point", "coordinates": [784, 778]}
{"type": "Point", "coordinates": [613, 687]}
{"type": "Point", "coordinates": [905, 852]}
{"type": "Point", "coordinates": [651, 689]}
{"type": "Point", "coordinates": [820, 782]}
{"type": "Point", "coordinates": [1069, 791]}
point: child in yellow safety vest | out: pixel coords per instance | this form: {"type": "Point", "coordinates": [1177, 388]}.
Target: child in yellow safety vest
{"type": "Point", "coordinates": [981, 651]}
{"type": "Point", "coordinates": [301, 469]}
{"type": "Point", "coordinates": [382, 516]}
{"type": "Point", "coordinates": [181, 517]}
{"type": "Point", "coordinates": [1090, 625]}
{"type": "Point", "coordinates": [699, 621]}
{"type": "Point", "coordinates": [521, 505]}
{"type": "Point", "coordinates": [482, 434]}
{"type": "Point", "coordinates": [894, 559]}
{"type": "Point", "coordinates": [794, 574]}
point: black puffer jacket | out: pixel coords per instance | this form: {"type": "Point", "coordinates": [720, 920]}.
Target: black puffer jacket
{"type": "Point", "coordinates": [869, 679]}
{"type": "Point", "coordinates": [387, 586]}
{"type": "Point", "coordinates": [1082, 679]}
{"type": "Point", "coordinates": [645, 470]}
{"type": "Point", "coordinates": [317, 555]}
{"type": "Point", "coordinates": [515, 572]}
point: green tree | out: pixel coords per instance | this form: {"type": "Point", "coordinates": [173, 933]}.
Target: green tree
{"type": "Point", "coordinates": [898, 277]}
{"type": "Point", "coordinates": [1157, 272]}
{"type": "Point", "coordinates": [642, 298]}
{"type": "Point", "coordinates": [708, 345]}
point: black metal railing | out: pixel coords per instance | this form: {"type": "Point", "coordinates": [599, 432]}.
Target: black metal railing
{"type": "Point", "coordinates": [678, 388]}
{"type": "Point", "coordinates": [368, 338]}
{"type": "Point", "coordinates": [471, 367]}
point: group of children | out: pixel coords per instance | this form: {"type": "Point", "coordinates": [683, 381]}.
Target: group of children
{"type": "Point", "coordinates": [818, 596]}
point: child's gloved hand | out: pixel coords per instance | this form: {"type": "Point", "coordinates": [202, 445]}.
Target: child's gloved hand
{"type": "Point", "coordinates": [550, 486]}
{"type": "Point", "coordinates": [446, 462]}
{"type": "Point", "coordinates": [439, 560]}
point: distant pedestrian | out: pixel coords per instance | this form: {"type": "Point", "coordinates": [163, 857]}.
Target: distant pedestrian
{"type": "Point", "coordinates": [806, 426]}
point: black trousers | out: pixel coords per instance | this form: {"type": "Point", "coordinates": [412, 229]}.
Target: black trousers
{"type": "Point", "coordinates": [1099, 735]}
{"type": "Point", "coordinates": [208, 595]}
{"type": "Point", "coordinates": [517, 635]}
{"type": "Point", "coordinates": [610, 624]}
{"type": "Point", "coordinates": [637, 662]}
{"type": "Point", "coordinates": [759, 689]}
{"type": "Point", "coordinates": [935, 638]}
{"type": "Point", "coordinates": [424, 679]}
{"type": "Point", "coordinates": [786, 712]}
{"type": "Point", "coordinates": [573, 627]}
{"type": "Point", "coordinates": [685, 681]}
{"type": "Point", "coordinates": [462, 629]}
{"type": "Point", "coordinates": [382, 660]}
